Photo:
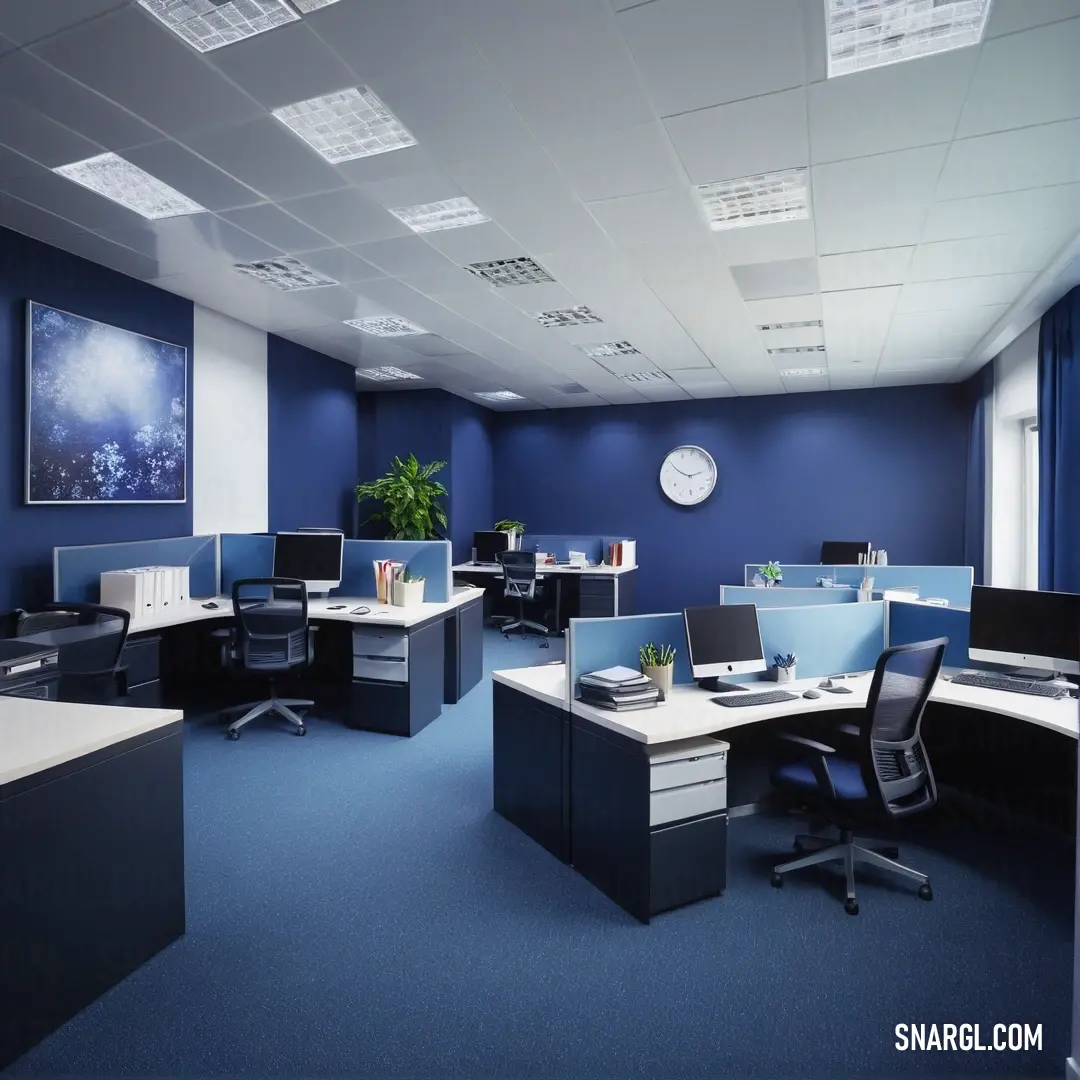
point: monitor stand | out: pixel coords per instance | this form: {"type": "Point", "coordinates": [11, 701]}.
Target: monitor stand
{"type": "Point", "coordinates": [716, 686]}
{"type": "Point", "coordinates": [1032, 674]}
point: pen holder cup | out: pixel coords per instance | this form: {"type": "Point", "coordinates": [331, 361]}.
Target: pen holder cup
{"type": "Point", "coordinates": [785, 674]}
{"type": "Point", "coordinates": [866, 595]}
{"type": "Point", "coordinates": [660, 677]}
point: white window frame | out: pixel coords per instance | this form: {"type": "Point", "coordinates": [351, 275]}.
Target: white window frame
{"type": "Point", "coordinates": [1029, 511]}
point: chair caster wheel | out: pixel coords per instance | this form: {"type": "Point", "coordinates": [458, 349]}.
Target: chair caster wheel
{"type": "Point", "coordinates": [301, 730]}
{"type": "Point", "coordinates": [925, 892]}
{"type": "Point", "coordinates": [851, 907]}
{"type": "Point", "coordinates": [232, 735]}
{"type": "Point", "coordinates": [776, 881]}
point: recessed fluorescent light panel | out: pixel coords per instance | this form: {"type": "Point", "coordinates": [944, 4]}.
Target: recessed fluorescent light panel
{"type": "Point", "coordinates": [809, 323]}
{"type": "Point", "coordinates": [503, 272]}
{"type": "Point", "coordinates": [645, 376]}
{"type": "Point", "coordinates": [386, 326]}
{"type": "Point", "coordinates": [448, 214]}
{"type": "Point", "coordinates": [385, 374]}
{"type": "Point", "coordinates": [285, 273]}
{"type": "Point", "coordinates": [790, 350]}
{"type": "Point", "coordinates": [609, 348]}
{"type": "Point", "coordinates": [871, 33]}
{"type": "Point", "coordinates": [755, 200]}
{"type": "Point", "coordinates": [574, 316]}
{"type": "Point", "coordinates": [345, 125]}
{"type": "Point", "coordinates": [802, 372]}
{"type": "Point", "coordinates": [128, 185]}
{"type": "Point", "coordinates": [210, 24]}
{"type": "Point", "coordinates": [499, 395]}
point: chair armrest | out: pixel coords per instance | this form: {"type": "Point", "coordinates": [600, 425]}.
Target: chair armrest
{"type": "Point", "coordinates": [814, 753]}
{"type": "Point", "coordinates": [808, 744]}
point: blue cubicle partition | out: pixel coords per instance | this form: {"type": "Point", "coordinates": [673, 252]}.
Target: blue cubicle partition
{"type": "Point", "coordinates": [762, 597]}
{"type": "Point", "coordinates": [952, 583]}
{"type": "Point", "coordinates": [252, 555]}
{"type": "Point", "coordinates": [831, 639]}
{"type": "Point", "coordinates": [77, 570]}
{"type": "Point", "coordinates": [561, 544]}
{"type": "Point", "coordinates": [921, 622]}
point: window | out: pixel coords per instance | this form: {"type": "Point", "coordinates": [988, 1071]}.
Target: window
{"type": "Point", "coordinates": [1030, 506]}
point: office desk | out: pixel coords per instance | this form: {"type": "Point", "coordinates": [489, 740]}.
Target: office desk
{"type": "Point", "coordinates": [91, 856]}
{"type": "Point", "coordinates": [595, 592]}
{"type": "Point", "coordinates": [573, 777]}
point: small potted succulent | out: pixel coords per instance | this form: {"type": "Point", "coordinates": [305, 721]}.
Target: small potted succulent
{"type": "Point", "coordinates": [658, 665]}
{"type": "Point", "coordinates": [408, 589]}
{"type": "Point", "coordinates": [785, 667]}
{"type": "Point", "coordinates": [514, 531]}
{"type": "Point", "coordinates": [772, 574]}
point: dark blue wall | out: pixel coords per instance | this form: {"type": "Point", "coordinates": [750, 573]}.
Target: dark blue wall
{"type": "Point", "coordinates": [33, 271]}
{"type": "Point", "coordinates": [314, 437]}
{"type": "Point", "coordinates": [885, 465]}
{"type": "Point", "coordinates": [472, 476]}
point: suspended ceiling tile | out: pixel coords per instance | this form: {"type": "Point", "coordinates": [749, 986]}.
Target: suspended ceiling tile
{"type": "Point", "coordinates": [864, 269]}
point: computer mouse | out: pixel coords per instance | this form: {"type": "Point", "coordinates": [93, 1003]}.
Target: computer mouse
{"type": "Point", "coordinates": [811, 693]}
{"type": "Point", "coordinates": [211, 605]}
{"type": "Point", "coordinates": [360, 610]}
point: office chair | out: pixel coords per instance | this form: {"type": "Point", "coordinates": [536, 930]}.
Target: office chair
{"type": "Point", "coordinates": [887, 776]}
{"type": "Point", "coordinates": [271, 635]}
{"type": "Point", "coordinates": [90, 664]}
{"type": "Point", "coordinates": [519, 583]}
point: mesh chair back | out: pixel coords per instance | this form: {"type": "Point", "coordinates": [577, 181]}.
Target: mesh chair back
{"type": "Point", "coordinates": [519, 574]}
{"type": "Point", "coordinates": [895, 758]}
{"type": "Point", "coordinates": [271, 623]}
{"type": "Point", "coordinates": [96, 653]}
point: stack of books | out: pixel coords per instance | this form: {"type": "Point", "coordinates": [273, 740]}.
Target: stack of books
{"type": "Point", "coordinates": [619, 689]}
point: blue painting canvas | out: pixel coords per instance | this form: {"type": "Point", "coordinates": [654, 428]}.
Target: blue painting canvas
{"type": "Point", "coordinates": [106, 413]}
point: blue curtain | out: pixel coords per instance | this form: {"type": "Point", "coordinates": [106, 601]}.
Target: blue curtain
{"type": "Point", "coordinates": [980, 398]}
{"type": "Point", "coordinates": [1059, 446]}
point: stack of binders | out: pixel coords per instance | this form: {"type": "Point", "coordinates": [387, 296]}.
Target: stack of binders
{"type": "Point", "coordinates": [619, 689]}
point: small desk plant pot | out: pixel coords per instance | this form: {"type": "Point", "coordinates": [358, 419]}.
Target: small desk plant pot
{"type": "Point", "coordinates": [658, 666]}
{"type": "Point", "coordinates": [772, 574]}
{"type": "Point", "coordinates": [514, 531]}
{"type": "Point", "coordinates": [408, 590]}
{"type": "Point", "coordinates": [785, 667]}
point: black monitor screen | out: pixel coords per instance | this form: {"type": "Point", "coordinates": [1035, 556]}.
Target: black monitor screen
{"type": "Point", "coordinates": [724, 635]}
{"type": "Point", "coordinates": [843, 552]}
{"type": "Point", "coordinates": [488, 545]}
{"type": "Point", "coordinates": [1025, 622]}
{"type": "Point", "coordinates": [308, 556]}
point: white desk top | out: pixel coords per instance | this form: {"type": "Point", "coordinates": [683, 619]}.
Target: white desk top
{"type": "Point", "coordinates": [688, 712]}
{"type": "Point", "coordinates": [546, 568]}
{"type": "Point", "coordinates": [37, 735]}
{"type": "Point", "coordinates": [380, 614]}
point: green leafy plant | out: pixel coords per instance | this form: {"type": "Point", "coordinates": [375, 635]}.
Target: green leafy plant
{"type": "Point", "coordinates": [508, 525]}
{"type": "Point", "coordinates": [410, 499]}
{"type": "Point", "coordinates": [771, 571]}
{"type": "Point", "coordinates": [656, 655]}
{"type": "Point", "coordinates": [409, 578]}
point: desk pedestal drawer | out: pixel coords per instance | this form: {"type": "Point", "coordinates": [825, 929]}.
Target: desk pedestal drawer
{"type": "Point", "coordinates": [664, 775]}
{"type": "Point", "coordinates": [678, 804]}
{"type": "Point", "coordinates": [381, 668]}
{"type": "Point", "coordinates": [373, 642]}
{"type": "Point", "coordinates": [688, 862]}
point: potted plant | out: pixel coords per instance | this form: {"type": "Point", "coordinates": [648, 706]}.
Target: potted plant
{"type": "Point", "coordinates": [514, 531]}
{"type": "Point", "coordinates": [772, 574]}
{"type": "Point", "coordinates": [408, 589]}
{"type": "Point", "coordinates": [785, 667]}
{"type": "Point", "coordinates": [658, 665]}
{"type": "Point", "coordinates": [410, 500]}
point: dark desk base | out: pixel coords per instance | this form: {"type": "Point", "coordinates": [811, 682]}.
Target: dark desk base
{"type": "Point", "coordinates": [463, 663]}
{"type": "Point", "coordinates": [91, 880]}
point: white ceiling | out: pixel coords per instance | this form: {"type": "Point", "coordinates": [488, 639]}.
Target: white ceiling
{"type": "Point", "coordinates": [945, 191]}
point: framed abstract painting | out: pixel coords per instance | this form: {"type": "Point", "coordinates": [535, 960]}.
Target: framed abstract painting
{"type": "Point", "coordinates": [106, 413]}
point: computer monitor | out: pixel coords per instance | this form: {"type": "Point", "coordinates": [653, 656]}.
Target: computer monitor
{"type": "Point", "coordinates": [487, 545]}
{"type": "Point", "coordinates": [723, 640]}
{"type": "Point", "coordinates": [314, 558]}
{"type": "Point", "coordinates": [844, 552]}
{"type": "Point", "coordinates": [1027, 629]}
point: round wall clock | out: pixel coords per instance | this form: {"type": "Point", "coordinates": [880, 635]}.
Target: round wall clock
{"type": "Point", "coordinates": [688, 475]}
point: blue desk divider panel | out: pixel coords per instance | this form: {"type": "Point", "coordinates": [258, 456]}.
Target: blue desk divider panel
{"type": "Point", "coordinates": [921, 622]}
{"type": "Point", "coordinates": [560, 545]}
{"type": "Point", "coordinates": [245, 555]}
{"type": "Point", "coordinates": [832, 639]}
{"type": "Point", "coordinates": [431, 559]}
{"type": "Point", "coordinates": [952, 583]}
{"type": "Point", "coordinates": [595, 644]}
{"type": "Point", "coordinates": [77, 570]}
{"type": "Point", "coordinates": [783, 597]}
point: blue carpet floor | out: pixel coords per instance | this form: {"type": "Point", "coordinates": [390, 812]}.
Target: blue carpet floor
{"type": "Point", "coordinates": [355, 908]}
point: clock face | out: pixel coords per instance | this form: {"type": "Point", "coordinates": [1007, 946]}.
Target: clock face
{"type": "Point", "coordinates": [688, 475]}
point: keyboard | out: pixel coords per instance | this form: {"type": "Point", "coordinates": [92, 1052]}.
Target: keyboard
{"type": "Point", "coordinates": [1018, 686]}
{"type": "Point", "coordinates": [763, 697]}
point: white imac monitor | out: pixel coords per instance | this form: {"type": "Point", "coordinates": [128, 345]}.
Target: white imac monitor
{"type": "Point", "coordinates": [314, 558]}
{"type": "Point", "coordinates": [1038, 632]}
{"type": "Point", "coordinates": [723, 640]}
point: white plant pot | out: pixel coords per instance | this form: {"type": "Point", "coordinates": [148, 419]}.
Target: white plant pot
{"type": "Point", "coordinates": [661, 677]}
{"type": "Point", "coordinates": [408, 593]}
{"type": "Point", "coordinates": [513, 541]}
